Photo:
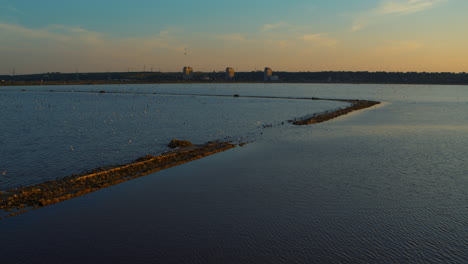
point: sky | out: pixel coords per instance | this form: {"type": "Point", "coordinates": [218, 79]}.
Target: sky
{"type": "Point", "coordinates": [295, 35]}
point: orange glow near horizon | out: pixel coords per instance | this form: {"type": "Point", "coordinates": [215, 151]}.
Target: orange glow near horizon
{"type": "Point", "coordinates": [391, 35]}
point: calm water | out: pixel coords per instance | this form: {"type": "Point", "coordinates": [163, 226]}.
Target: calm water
{"type": "Point", "coordinates": [385, 185]}
{"type": "Point", "coordinates": [48, 135]}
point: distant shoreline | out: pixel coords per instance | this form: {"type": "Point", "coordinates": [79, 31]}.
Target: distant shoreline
{"type": "Point", "coordinates": [326, 77]}
{"type": "Point", "coordinates": [25, 84]}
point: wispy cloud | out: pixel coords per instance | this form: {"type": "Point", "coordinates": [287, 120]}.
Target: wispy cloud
{"type": "Point", "coordinates": [70, 46]}
{"type": "Point", "coordinates": [275, 26]}
{"type": "Point", "coordinates": [10, 9]}
{"type": "Point", "coordinates": [320, 40]}
{"type": "Point", "coordinates": [359, 24]}
{"type": "Point", "coordinates": [283, 44]}
{"type": "Point", "coordinates": [399, 47]}
{"type": "Point", "coordinates": [395, 8]}
{"type": "Point", "coordinates": [406, 6]}
{"type": "Point", "coordinates": [232, 37]}
{"type": "Point", "coordinates": [10, 14]}
{"type": "Point", "coordinates": [60, 34]}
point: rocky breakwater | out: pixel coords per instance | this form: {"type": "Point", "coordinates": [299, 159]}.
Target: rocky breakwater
{"type": "Point", "coordinates": [325, 116]}
{"type": "Point", "coordinates": [23, 199]}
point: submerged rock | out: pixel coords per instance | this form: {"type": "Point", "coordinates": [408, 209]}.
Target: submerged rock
{"type": "Point", "coordinates": [175, 143]}
{"type": "Point", "coordinates": [145, 158]}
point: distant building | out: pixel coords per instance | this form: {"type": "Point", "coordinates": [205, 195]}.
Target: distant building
{"type": "Point", "coordinates": [230, 74]}
{"type": "Point", "coordinates": [268, 73]}
{"type": "Point", "coordinates": [187, 73]}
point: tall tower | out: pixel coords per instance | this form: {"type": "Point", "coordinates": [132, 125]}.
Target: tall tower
{"type": "Point", "coordinates": [187, 73]}
{"type": "Point", "coordinates": [230, 73]}
{"type": "Point", "coordinates": [268, 73]}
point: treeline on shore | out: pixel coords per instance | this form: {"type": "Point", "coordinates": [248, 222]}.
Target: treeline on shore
{"type": "Point", "coordinates": [254, 76]}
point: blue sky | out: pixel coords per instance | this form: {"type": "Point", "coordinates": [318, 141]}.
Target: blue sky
{"type": "Point", "coordinates": [296, 35]}
{"type": "Point", "coordinates": [124, 16]}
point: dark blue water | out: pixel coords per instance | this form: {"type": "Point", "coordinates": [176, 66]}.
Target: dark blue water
{"type": "Point", "coordinates": [386, 185]}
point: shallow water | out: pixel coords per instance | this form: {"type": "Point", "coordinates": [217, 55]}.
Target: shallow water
{"type": "Point", "coordinates": [385, 185]}
{"type": "Point", "coordinates": [48, 135]}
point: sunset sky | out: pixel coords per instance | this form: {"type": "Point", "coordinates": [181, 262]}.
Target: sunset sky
{"type": "Point", "coordinates": [297, 35]}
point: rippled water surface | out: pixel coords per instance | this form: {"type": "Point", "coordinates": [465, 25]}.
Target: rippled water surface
{"type": "Point", "coordinates": [46, 135]}
{"type": "Point", "coordinates": [385, 185]}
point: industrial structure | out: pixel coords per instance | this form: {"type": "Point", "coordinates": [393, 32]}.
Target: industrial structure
{"type": "Point", "coordinates": [230, 73]}
{"type": "Point", "coordinates": [268, 73]}
{"type": "Point", "coordinates": [187, 73]}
